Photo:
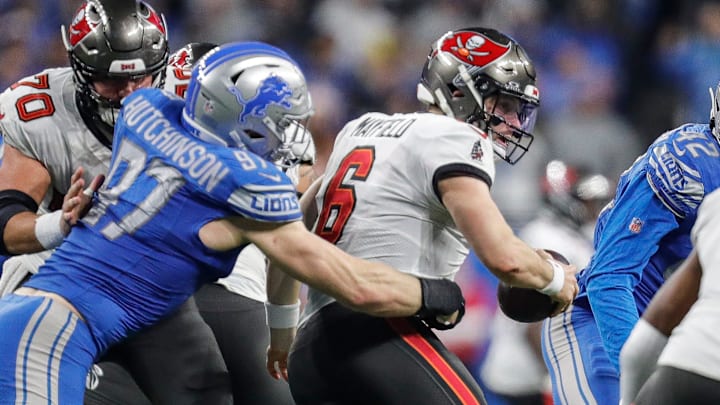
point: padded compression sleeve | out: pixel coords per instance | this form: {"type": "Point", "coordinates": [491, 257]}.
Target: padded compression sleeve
{"type": "Point", "coordinates": [13, 202]}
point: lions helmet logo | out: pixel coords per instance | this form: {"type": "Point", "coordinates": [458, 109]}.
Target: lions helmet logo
{"type": "Point", "coordinates": [273, 90]}
{"type": "Point", "coordinates": [472, 48]}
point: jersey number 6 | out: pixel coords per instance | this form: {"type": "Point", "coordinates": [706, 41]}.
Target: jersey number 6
{"type": "Point", "coordinates": [339, 199]}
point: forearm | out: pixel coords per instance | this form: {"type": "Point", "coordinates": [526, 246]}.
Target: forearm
{"type": "Point", "coordinates": [19, 234]}
{"type": "Point", "coordinates": [521, 266]}
{"type": "Point", "coordinates": [510, 259]}
{"type": "Point", "coordinates": [24, 182]}
{"type": "Point", "coordinates": [281, 288]}
{"type": "Point", "coordinates": [283, 313]}
{"type": "Point", "coordinates": [364, 286]}
{"type": "Point", "coordinates": [370, 287]}
{"type": "Point", "coordinates": [386, 291]}
{"type": "Point", "coordinates": [668, 307]}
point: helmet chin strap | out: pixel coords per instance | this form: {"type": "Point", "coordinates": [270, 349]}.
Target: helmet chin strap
{"type": "Point", "coordinates": [108, 114]}
{"type": "Point", "coordinates": [470, 83]}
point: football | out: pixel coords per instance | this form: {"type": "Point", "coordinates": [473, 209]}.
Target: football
{"type": "Point", "coordinates": [526, 304]}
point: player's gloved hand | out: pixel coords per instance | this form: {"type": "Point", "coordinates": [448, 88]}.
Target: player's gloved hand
{"type": "Point", "coordinates": [443, 305]}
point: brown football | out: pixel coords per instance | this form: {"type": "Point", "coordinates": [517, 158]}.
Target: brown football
{"type": "Point", "coordinates": [526, 304]}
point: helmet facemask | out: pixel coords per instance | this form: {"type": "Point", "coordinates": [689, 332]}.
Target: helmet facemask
{"type": "Point", "coordinates": [715, 112]}
{"type": "Point", "coordinates": [284, 143]}
{"type": "Point", "coordinates": [296, 146]}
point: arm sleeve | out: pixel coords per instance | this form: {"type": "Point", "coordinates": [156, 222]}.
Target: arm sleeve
{"type": "Point", "coordinates": [630, 237]}
{"type": "Point", "coordinates": [638, 359]}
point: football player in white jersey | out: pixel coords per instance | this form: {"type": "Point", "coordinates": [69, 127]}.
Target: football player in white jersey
{"type": "Point", "coordinates": [61, 119]}
{"type": "Point", "coordinates": [672, 356]}
{"type": "Point", "coordinates": [413, 191]}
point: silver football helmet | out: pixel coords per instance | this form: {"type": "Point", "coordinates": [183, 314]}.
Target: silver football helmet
{"type": "Point", "coordinates": [467, 67]}
{"type": "Point", "coordinates": [113, 39]}
{"type": "Point", "coordinates": [251, 95]}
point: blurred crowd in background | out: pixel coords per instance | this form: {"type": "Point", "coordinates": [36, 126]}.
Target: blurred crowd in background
{"type": "Point", "coordinates": [613, 74]}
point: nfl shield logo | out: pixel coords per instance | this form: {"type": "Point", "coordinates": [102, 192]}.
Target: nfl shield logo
{"type": "Point", "coordinates": [636, 225]}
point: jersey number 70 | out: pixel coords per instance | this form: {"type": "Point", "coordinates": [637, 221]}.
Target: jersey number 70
{"type": "Point", "coordinates": [340, 199]}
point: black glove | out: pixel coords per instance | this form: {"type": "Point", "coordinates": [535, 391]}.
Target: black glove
{"type": "Point", "coordinates": [440, 297]}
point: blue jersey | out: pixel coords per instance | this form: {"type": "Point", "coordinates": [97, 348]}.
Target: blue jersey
{"type": "Point", "coordinates": [137, 255]}
{"type": "Point", "coordinates": [645, 230]}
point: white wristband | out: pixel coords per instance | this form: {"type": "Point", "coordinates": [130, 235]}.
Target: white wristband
{"type": "Point", "coordinates": [557, 282]}
{"type": "Point", "coordinates": [48, 231]}
{"type": "Point", "coordinates": [282, 316]}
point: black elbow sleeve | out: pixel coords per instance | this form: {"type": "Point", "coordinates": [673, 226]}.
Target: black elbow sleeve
{"type": "Point", "coordinates": [11, 203]}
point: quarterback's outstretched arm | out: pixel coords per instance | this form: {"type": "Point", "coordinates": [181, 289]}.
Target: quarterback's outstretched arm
{"type": "Point", "coordinates": [477, 216]}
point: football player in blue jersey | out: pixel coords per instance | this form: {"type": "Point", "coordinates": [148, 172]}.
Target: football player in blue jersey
{"type": "Point", "coordinates": [61, 119]}
{"type": "Point", "coordinates": [641, 237]}
{"type": "Point", "coordinates": [186, 191]}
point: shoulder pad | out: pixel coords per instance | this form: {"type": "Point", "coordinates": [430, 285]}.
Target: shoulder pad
{"type": "Point", "coordinates": [681, 165]}
{"type": "Point", "coordinates": [263, 192]}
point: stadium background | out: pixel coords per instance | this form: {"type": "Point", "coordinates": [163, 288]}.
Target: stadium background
{"type": "Point", "coordinates": [613, 75]}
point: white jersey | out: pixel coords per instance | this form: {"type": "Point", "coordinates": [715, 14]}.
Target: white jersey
{"type": "Point", "coordinates": [40, 118]}
{"type": "Point", "coordinates": [379, 199]}
{"type": "Point", "coordinates": [512, 367]}
{"type": "Point", "coordinates": [695, 344]}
